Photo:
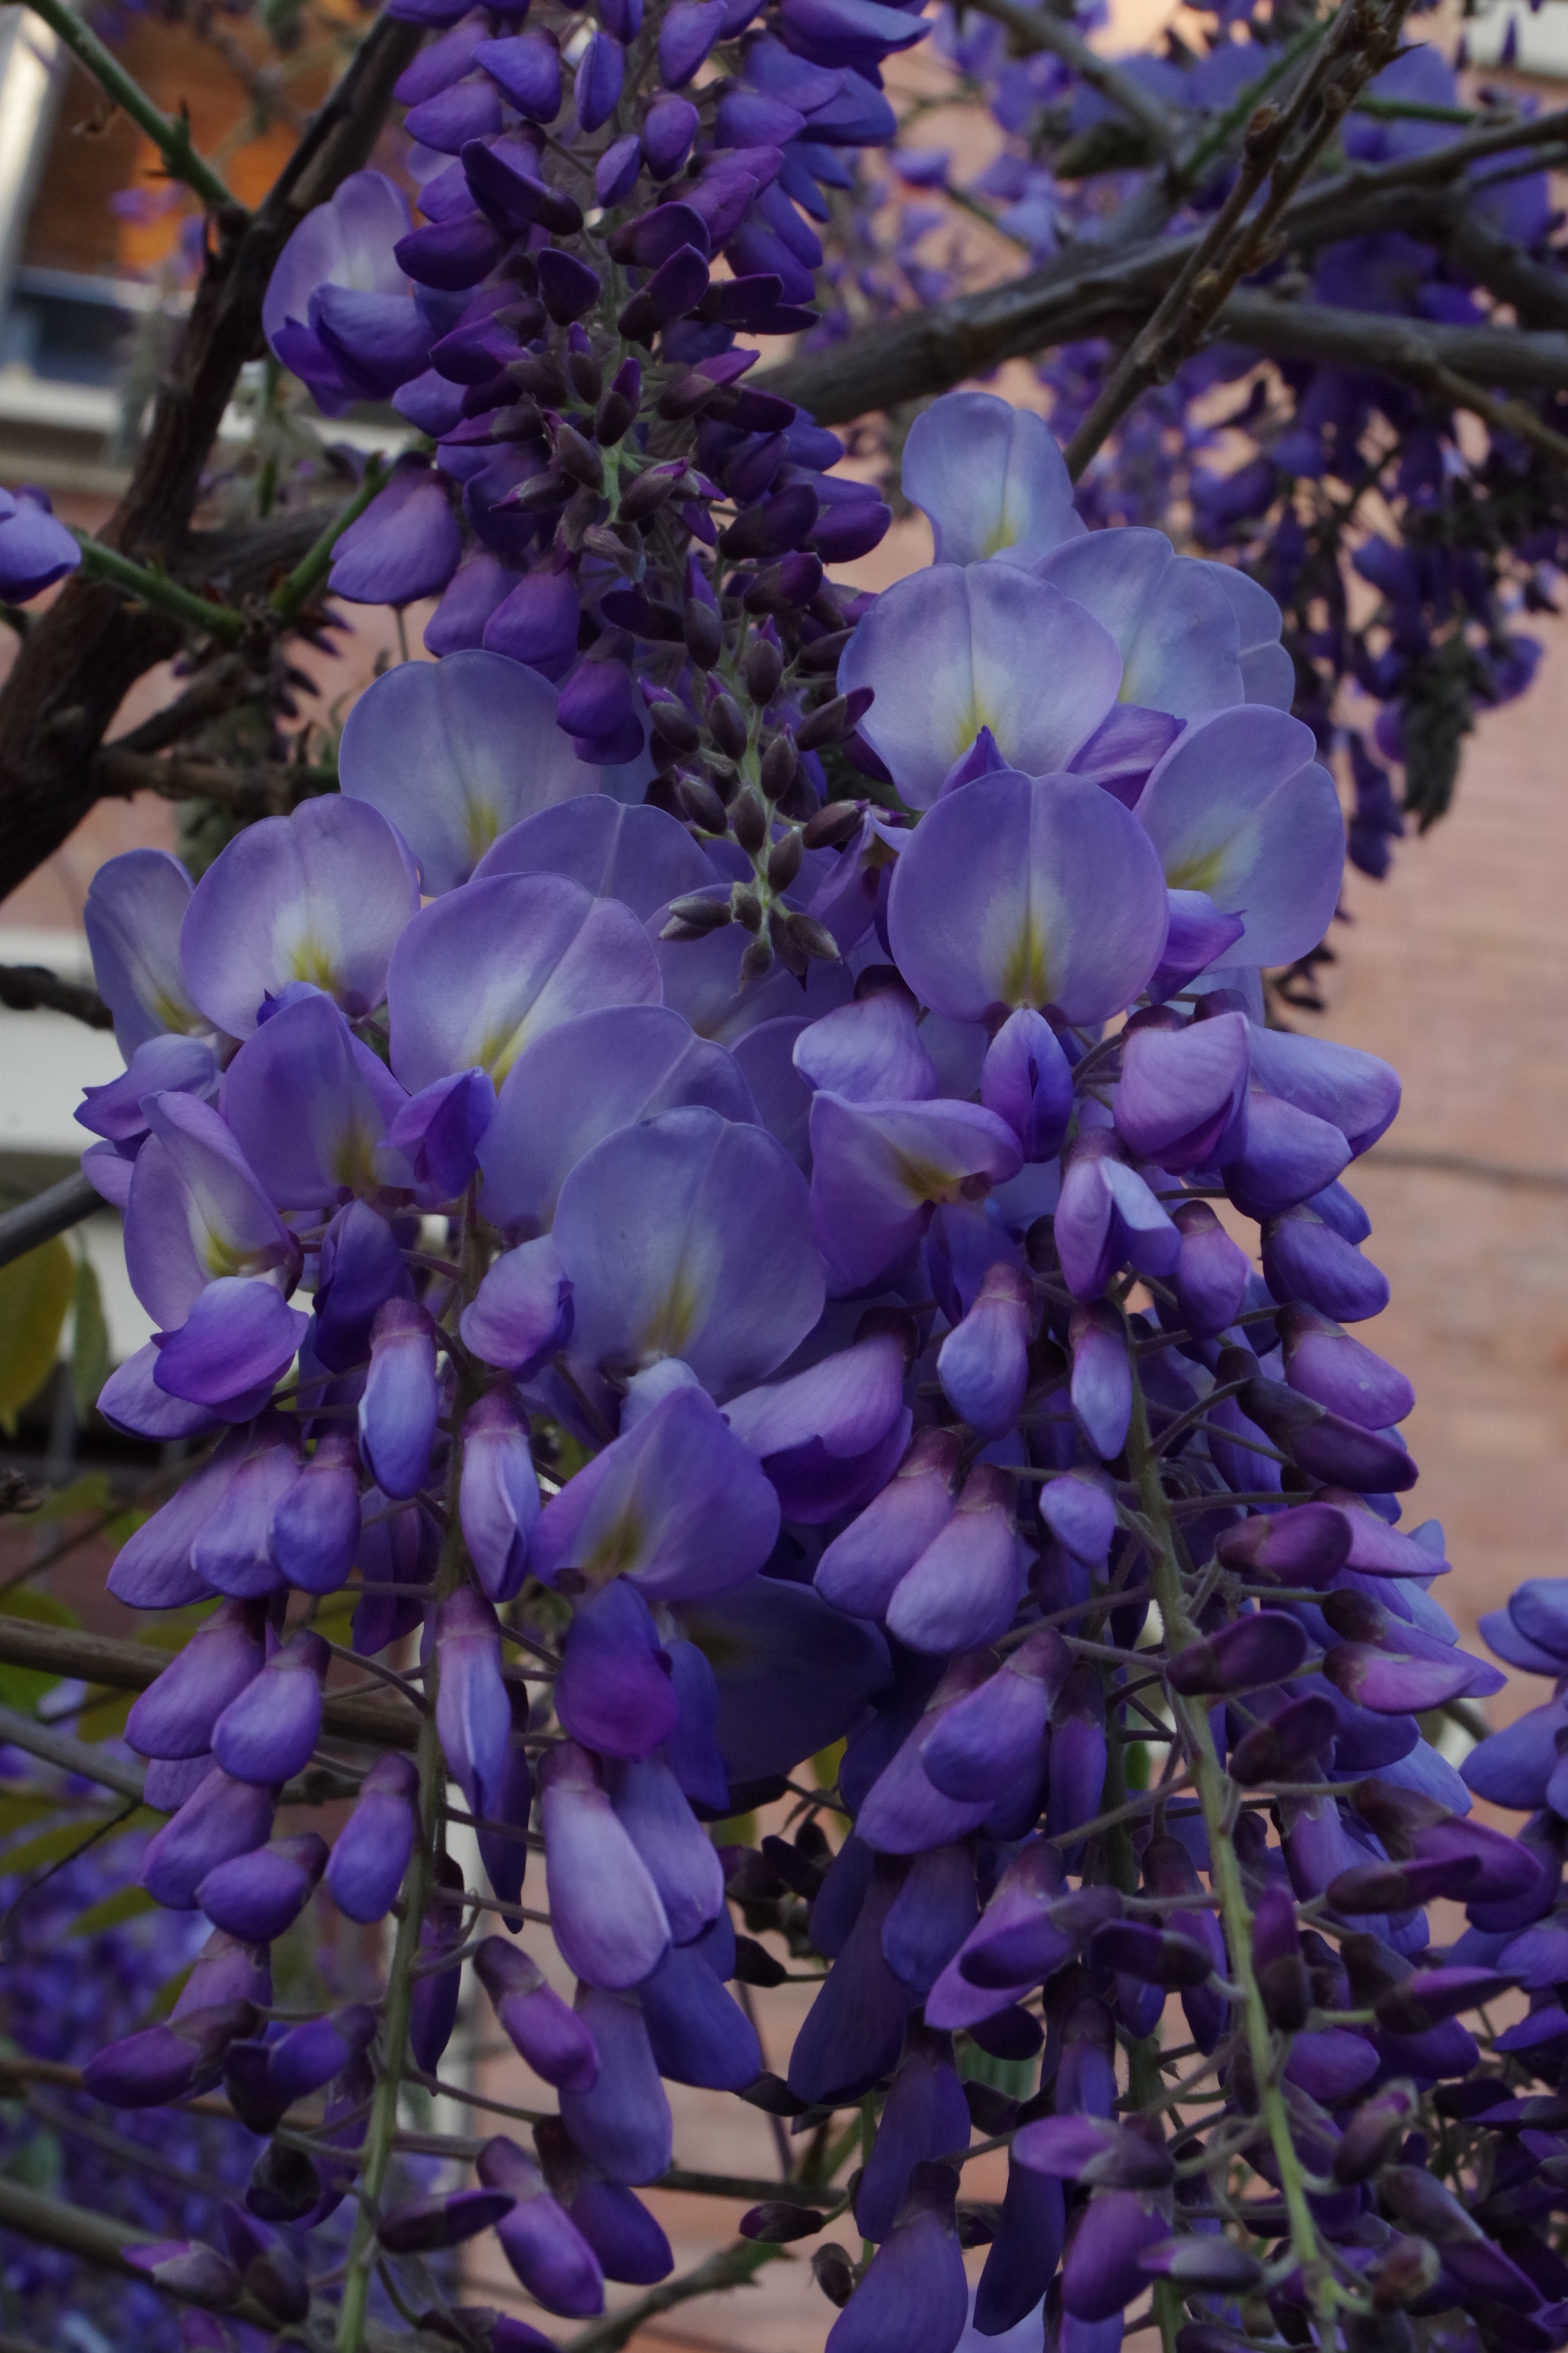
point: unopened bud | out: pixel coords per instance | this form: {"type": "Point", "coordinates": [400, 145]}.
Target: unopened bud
{"type": "Point", "coordinates": [749, 821]}
{"type": "Point", "coordinates": [676, 733]}
{"type": "Point", "coordinates": [765, 668]}
{"type": "Point", "coordinates": [578, 457]}
{"type": "Point", "coordinates": [704, 633]}
{"type": "Point", "coordinates": [700, 913]}
{"type": "Point", "coordinates": [787, 949]}
{"type": "Point", "coordinates": [834, 2273]}
{"type": "Point", "coordinates": [587, 376]}
{"type": "Point", "coordinates": [541, 374]}
{"type": "Point", "coordinates": [701, 803]}
{"type": "Point", "coordinates": [820, 657]}
{"type": "Point", "coordinates": [834, 721]}
{"type": "Point", "coordinates": [783, 861]}
{"type": "Point", "coordinates": [747, 907]}
{"type": "Point", "coordinates": [727, 725]}
{"type": "Point", "coordinates": [778, 769]}
{"type": "Point", "coordinates": [833, 825]}
{"type": "Point", "coordinates": [1375, 2132]}
{"type": "Point", "coordinates": [642, 498]}
{"type": "Point", "coordinates": [1404, 2275]}
{"type": "Point", "coordinates": [757, 960]}
{"type": "Point", "coordinates": [611, 418]}
{"type": "Point", "coordinates": [814, 939]}
{"type": "Point", "coordinates": [686, 396]}
{"type": "Point", "coordinates": [777, 2223]}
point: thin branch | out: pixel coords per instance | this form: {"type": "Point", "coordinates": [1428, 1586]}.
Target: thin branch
{"type": "Point", "coordinates": [1235, 245]}
{"type": "Point", "coordinates": [32, 987]}
{"type": "Point", "coordinates": [70, 1755]}
{"type": "Point", "coordinates": [155, 588]}
{"type": "Point", "coordinates": [290, 597]}
{"type": "Point", "coordinates": [45, 1216]}
{"type": "Point", "coordinates": [98, 2239]}
{"type": "Point", "coordinates": [169, 135]}
{"type": "Point", "coordinates": [268, 788]}
{"type": "Point", "coordinates": [734, 2266]}
{"type": "Point", "coordinates": [1038, 28]}
{"type": "Point", "coordinates": [370, 1721]}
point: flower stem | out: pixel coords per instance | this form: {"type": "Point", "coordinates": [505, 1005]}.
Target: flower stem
{"type": "Point", "coordinates": [1213, 1790]}
{"type": "Point", "coordinates": [155, 588]}
{"type": "Point", "coordinates": [170, 134]}
{"type": "Point", "coordinates": [290, 595]}
{"type": "Point", "coordinates": [381, 2133]}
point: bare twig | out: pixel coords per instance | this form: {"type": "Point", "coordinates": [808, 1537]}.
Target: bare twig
{"type": "Point", "coordinates": [98, 2239]}
{"type": "Point", "coordinates": [1038, 28]}
{"type": "Point", "coordinates": [32, 987]}
{"type": "Point", "coordinates": [47, 1215]}
{"type": "Point", "coordinates": [170, 135]}
{"type": "Point", "coordinates": [1235, 244]}
{"type": "Point", "coordinates": [731, 2267]}
{"type": "Point", "coordinates": [377, 1722]}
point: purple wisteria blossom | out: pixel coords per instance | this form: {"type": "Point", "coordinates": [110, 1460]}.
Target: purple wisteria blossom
{"type": "Point", "coordinates": [845, 1390]}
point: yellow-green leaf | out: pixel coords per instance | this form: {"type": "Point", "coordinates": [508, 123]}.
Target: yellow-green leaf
{"type": "Point", "coordinates": [19, 1807]}
{"type": "Point", "coordinates": [54, 1845]}
{"type": "Point", "coordinates": [125, 1903]}
{"type": "Point", "coordinates": [35, 1294]}
{"type": "Point", "coordinates": [89, 1339]}
{"type": "Point", "coordinates": [91, 1493]}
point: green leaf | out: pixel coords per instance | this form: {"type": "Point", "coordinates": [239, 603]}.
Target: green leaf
{"type": "Point", "coordinates": [1016, 2077]}
{"type": "Point", "coordinates": [89, 1339]}
{"type": "Point", "coordinates": [54, 1845]}
{"type": "Point", "coordinates": [21, 1805]}
{"type": "Point", "coordinates": [91, 1493]}
{"type": "Point", "coordinates": [34, 1293]}
{"type": "Point", "coordinates": [126, 1904]}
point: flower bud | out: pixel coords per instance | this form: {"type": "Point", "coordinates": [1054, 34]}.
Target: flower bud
{"type": "Point", "coordinates": [312, 2053]}
{"type": "Point", "coordinates": [372, 1851]}
{"type": "Point", "coordinates": [185, 2268]}
{"type": "Point", "coordinates": [832, 721]}
{"type": "Point", "coordinates": [763, 670]}
{"type": "Point", "coordinates": [267, 1734]}
{"type": "Point", "coordinates": [420, 2225]}
{"type": "Point", "coordinates": [1375, 2132]}
{"type": "Point", "coordinates": [1406, 2271]}
{"type": "Point", "coordinates": [174, 1716]}
{"type": "Point", "coordinates": [553, 2040]}
{"type": "Point", "coordinates": [257, 1895]}
{"type": "Point", "coordinates": [397, 1411]}
{"type": "Point", "coordinates": [779, 765]}
{"type": "Point", "coordinates": [169, 2062]}
{"type": "Point", "coordinates": [699, 913]}
{"type": "Point", "coordinates": [567, 287]}
{"type": "Point", "coordinates": [1265, 1647]}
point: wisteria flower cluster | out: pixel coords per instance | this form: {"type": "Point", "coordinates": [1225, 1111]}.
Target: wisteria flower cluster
{"type": "Point", "coordinates": [711, 1358]}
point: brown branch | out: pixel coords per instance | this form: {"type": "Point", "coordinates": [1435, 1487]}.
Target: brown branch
{"type": "Point", "coordinates": [97, 2239]}
{"type": "Point", "coordinates": [375, 1721]}
{"type": "Point", "coordinates": [264, 789]}
{"type": "Point", "coordinates": [76, 665]}
{"type": "Point", "coordinates": [32, 987]}
{"type": "Point", "coordinates": [1279, 146]}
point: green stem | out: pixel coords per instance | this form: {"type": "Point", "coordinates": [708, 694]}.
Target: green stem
{"type": "Point", "coordinates": [290, 595]}
{"type": "Point", "coordinates": [156, 588]}
{"type": "Point", "coordinates": [1224, 1871]}
{"type": "Point", "coordinates": [416, 1888]}
{"type": "Point", "coordinates": [171, 136]}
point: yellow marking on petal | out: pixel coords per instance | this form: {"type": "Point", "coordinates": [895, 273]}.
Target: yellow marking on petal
{"type": "Point", "coordinates": [675, 1319]}
{"type": "Point", "coordinates": [926, 1180]}
{"type": "Point", "coordinates": [174, 1016]}
{"type": "Point", "coordinates": [353, 1157]}
{"type": "Point", "coordinates": [1025, 968]}
{"type": "Point", "coordinates": [311, 959]}
{"type": "Point", "coordinates": [618, 1549]}
{"type": "Point", "coordinates": [481, 822]}
{"type": "Point", "coordinates": [1198, 873]}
